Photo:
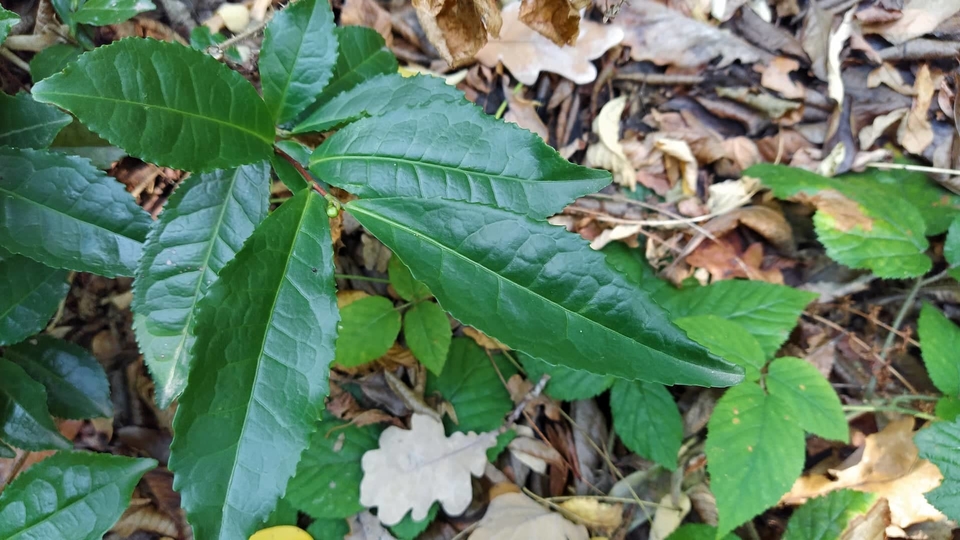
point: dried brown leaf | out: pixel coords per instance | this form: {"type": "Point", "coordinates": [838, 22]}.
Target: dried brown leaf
{"type": "Point", "coordinates": [557, 20]}
{"type": "Point", "coordinates": [147, 519]}
{"type": "Point", "coordinates": [513, 515]}
{"type": "Point", "coordinates": [598, 516]}
{"type": "Point", "coordinates": [776, 77]}
{"type": "Point", "coordinates": [526, 53]}
{"type": "Point", "coordinates": [458, 28]}
{"type": "Point", "coordinates": [874, 131]}
{"type": "Point", "coordinates": [535, 454]}
{"type": "Point", "coordinates": [889, 75]}
{"type": "Point", "coordinates": [669, 516]}
{"type": "Point", "coordinates": [484, 340]}
{"type": "Point", "coordinates": [918, 17]}
{"type": "Point", "coordinates": [608, 153]}
{"type": "Point", "coordinates": [846, 213]}
{"type": "Point", "coordinates": [780, 110]}
{"type": "Point", "coordinates": [367, 13]}
{"type": "Point", "coordinates": [916, 132]}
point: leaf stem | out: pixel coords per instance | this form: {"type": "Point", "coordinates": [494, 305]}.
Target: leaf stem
{"type": "Point", "coordinates": [361, 278]}
{"type": "Point", "coordinates": [227, 43]}
{"type": "Point", "coordinates": [888, 408]}
{"type": "Point", "coordinates": [303, 172]}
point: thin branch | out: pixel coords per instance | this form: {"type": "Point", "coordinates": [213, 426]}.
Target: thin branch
{"type": "Point", "coordinates": [918, 168]}
{"type": "Point", "coordinates": [303, 172]}
{"type": "Point", "coordinates": [14, 59]}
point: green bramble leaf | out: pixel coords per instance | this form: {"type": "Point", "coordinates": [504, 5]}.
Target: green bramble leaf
{"type": "Point", "coordinates": [565, 384]}
{"type": "Point", "coordinates": [938, 206]}
{"type": "Point", "coordinates": [70, 496]}
{"type": "Point", "coordinates": [858, 221]}
{"type": "Point", "coordinates": [8, 20]}
{"type": "Point", "coordinates": [443, 150]}
{"type": "Point", "coordinates": [426, 329]}
{"type": "Point", "coordinates": [827, 517]}
{"type": "Point", "coordinates": [297, 58]}
{"type": "Point", "coordinates": [767, 311]}
{"type": "Point", "coordinates": [948, 408]}
{"type": "Point", "coordinates": [53, 59]}
{"type": "Point", "coordinates": [940, 444]}
{"type": "Point", "coordinates": [327, 483]}
{"type": "Point", "coordinates": [329, 529]}
{"type": "Point", "coordinates": [30, 296]}
{"type": "Point", "coordinates": [28, 124]}
{"type": "Point", "coordinates": [815, 405]}
{"type": "Point", "coordinates": [539, 269]}
{"type": "Point", "coordinates": [408, 529]}
{"type": "Point", "coordinates": [403, 283]}
{"type": "Point", "coordinates": [698, 531]}
{"type": "Point", "coordinates": [368, 327]}
{"type": "Point", "coordinates": [76, 139]}
{"type": "Point", "coordinates": [375, 96]}
{"type": "Point", "coordinates": [754, 453]}
{"type": "Point", "coordinates": [647, 420]}
{"type": "Point", "coordinates": [104, 12]}
{"type": "Point", "coordinates": [74, 380]}
{"type": "Point", "coordinates": [726, 339]}
{"type": "Point", "coordinates": [265, 336]}
{"type": "Point", "coordinates": [939, 343]}
{"type": "Point", "coordinates": [99, 228]}
{"type": "Point", "coordinates": [213, 118]}
{"type": "Point", "coordinates": [201, 228]}
{"type": "Point", "coordinates": [24, 417]}
{"type": "Point", "coordinates": [471, 385]}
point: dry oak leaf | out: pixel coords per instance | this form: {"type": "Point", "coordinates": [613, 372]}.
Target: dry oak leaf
{"type": "Point", "coordinates": [526, 53]}
{"type": "Point", "coordinates": [458, 28]}
{"type": "Point", "coordinates": [918, 17]}
{"type": "Point", "coordinates": [667, 37]}
{"type": "Point", "coordinates": [413, 468]}
{"type": "Point", "coordinates": [889, 465]}
{"type": "Point", "coordinates": [556, 20]}
{"type": "Point", "coordinates": [607, 153]}
{"type": "Point", "coordinates": [513, 516]}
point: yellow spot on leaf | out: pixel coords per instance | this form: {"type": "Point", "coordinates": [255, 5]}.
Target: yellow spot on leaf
{"type": "Point", "coordinates": [736, 421]}
{"type": "Point", "coordinates": [283, 532]}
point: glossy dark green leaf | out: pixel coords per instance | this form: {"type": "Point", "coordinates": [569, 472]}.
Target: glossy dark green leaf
{"type": "Point", "coordinates": [30, 296]}
{"type": "Point", "coordinates": [297, 58]}
{"type": "Point", "coordinates": [826, 517]}
{"type": "Point", "coordinates": [951, 248]}
{"type": "Point", "coordinates": [6, 451]}
{"type": "Point", "coordinates": [444, 150]}
{"type": "Point", "coordinates": [939, 343]}
{"type": "Point", "coordinates": [61, 211]}
{"type": "Point", "coordinates": [8, 20]}
{"type": "Point", "coordinates": [166, 104]}
{"type": "Point", "coordinates": [203, 225]}
{"type": "Point", "coordinates": [426, 330]}
{"type": "Point", "coordinates": [647, 420]}
{"type": "Point", "coordinates": [285, 171]}
{"type": "Point", "coordinates": [104, 12]}
{"type": "Point", "coordinates": [376, 96]}
{"type": "Point", "coordinates": [327, 483]}
{"type": "Point", "coordinates": [70, 496]}
{"type": "Point", "coordinates": [24, 417]}
{"type": "Point", "coordinates": [754, 453]}
{"type": "Point", "coordinates": [76, 139]}
{"type": "Point", "coordinates": [767, 311]}
{"type": "Point", "coordinates": [283, 514]}
{"type": "Point", "coordinates": [633, 264]}
{"type": "Point", "coordinates": [565, 384]}
{"type": "Point", "coordinates": [24, 123]}
{"type": "Point", "coordinates": [519, 280]}
{"type": "Point", "coordinates": [815, 404]}
{"type": "Point", "coordinates": [53, 59]}
{"type": "Point", "coordinates": [402, 281]}
{"type": "Point", "coordinates": [940, 443]}
{"type": "Point", "coordinates": [726, 339]}
{"type": "Point", "coordinates": [74, 380]}
{"type": "Point", "coordinates": [362, 54]}
{"type": "Point", "coordinates": [202, 39]}
{"type": "Point", "coordinates": [368, 327]}
{"type": "Point", "coordinates": [265, 337]}
{"type": "Point", "coordinates": [471, 385]}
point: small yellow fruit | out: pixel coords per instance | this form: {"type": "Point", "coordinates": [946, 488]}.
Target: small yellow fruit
{"type": "Point", "coordinates": [283, 532]}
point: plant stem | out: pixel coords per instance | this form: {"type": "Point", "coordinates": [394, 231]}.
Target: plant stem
{"type": "Point", "coordinates": [303, 172]}
{"type": "Point", "coordinates": [222, 47]}
{"type": "Point", "coordinates": [888, 408]}
{"type": "Point", "coordinates": [895, 327]}
{"type": "Point", "coordinates": [361, 278]}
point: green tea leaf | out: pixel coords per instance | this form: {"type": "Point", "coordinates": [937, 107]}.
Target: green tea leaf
{"type": "Point", "coordinates": [939, 344]}
{"type": "Point", "coordinates": [70, 496]}
{"type": "Point", "coordinates": [508, 266]}
{"type": "Point", "coordinates": [362, 54]}
{"type": "Point", "coordinates": [24, 418]}
{"type": "Point", "coordinates": [265, 337]}
{"type": "Point", "coordinates": [443, 150]}
{"type": "Point", "coordinates": [698, 531]}
{"type": "Point", "coordinates": [8, 20]}
{"type": "Point", "coordinates": [99, 228]}
{"type": "Point", "coordinates": [427, 332]}
{"type": "Point", "coordinates": [367, 330]}
{"type": "Point", "coordinates": [632, 263]}
{"type": "Point", "coordinates": [104, 12]}
{"type": "Point", "coordinates": [726, 339]}
{"type": "Point", "coordinates": [53, 59]}
{"type": "Point", "coordinates": [297, 58]}
{"type": "Point", "coordinates": [166, 104]}
{"type": "Point", "coordinates": [940, 443]}
{"type": "Point", "coordinates": [825, 518]}
{"type": "Point", "coordinates": [767, 311]}
{"type": "Point", "coordinates": [858, 222]}
{"type": "Point", "coordinates": [327, 483]}
{"type": "Point", "coordinates": [28, 124]}
{"type": "Point", "coordinates": [77, 140]}
{"type": "Point", "coordinates": [471, 385]}
{"type": "Point", "coordinates": [7, 452]}
{"type": "Point", "coordinates": [402, 280]}
{"type": "Point", "coordinates": [647, 420]}
{"type": "Point", "coordinates": [201, 228]}
{"type": "Point", "coordinates": [754, 453]}
{"type": "Point", "coordinates": [376, 96]}
{"type": "Point", "coordinates": [815, 405]}
{"type": "Point", "coordinates": [285, 171]}
{"type": "Point", "coordinates": [74, 380]}
{"type": "Point", "coordinates": [30, 296]}
{"type": "Point", "coordinates": [565, 384]}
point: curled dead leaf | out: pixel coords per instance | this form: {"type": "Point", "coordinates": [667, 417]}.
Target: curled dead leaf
{"type": "Point", "coordinates": [916, 132]}
{"type": "Point", "coordinates": [608, 153]}
{"type": "Point", "coordinates": [557, 20]}
{"type": "Point", "coordinates": [597, 516]}
{"type": "Point", "coordinates": [458, 28]}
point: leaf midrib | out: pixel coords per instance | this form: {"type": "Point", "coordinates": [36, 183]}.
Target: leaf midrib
{"type": "Point", "coordinates": [80, 395]}
{"type": "Point", "coordinates": [267, 140]}
{"type": "Point", "coordinates": [58, 512]}
{"type": "Point", "coordinates": [62, 213]}
{"type": "Point", "coordinates": [7, 134]}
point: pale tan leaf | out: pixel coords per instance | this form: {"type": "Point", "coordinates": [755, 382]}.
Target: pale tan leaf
{"type": "Point", "coordinates": [526, 53]}
{"type": "Point", "coordinates": [918, 17]}
{"type": "Point", "coordinates": [669, 516]}
{"type": "Point", "coordinates": [484, 340]}
{"type": "Point", "coordinates": [235, 17]}
{"type": "Point", "coordinates": [915, 132]}
{"type": "Point", "coordinates": [725, 196]}
{"type": "Point", "coordinates": [608, 153]}
{"type": "Point", "coordinates": [776, 77]}
{"type": "Point", "coordinates": [414, 468]}
{"type": "Point", "coordinates": [598, 516]}
{"type": "Point", "coordinates": [834, 47]}
{"type": "Point", "coordinates": [513, 516]}
{"type": "Point", "coordinates": [782, 110]}
{"type": "Point", "coordinates": [680, 163]}
{"type": "Point", "coordinates": [889, 75]}
{"type": "Point", "coordinates": [366, 526]}
{"type": "Point", "coordinates": [534, 453]}
{"type": "Point", "coordinates": [869, 134]}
